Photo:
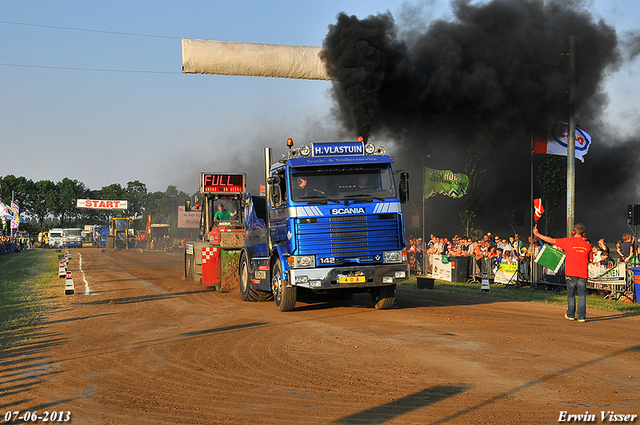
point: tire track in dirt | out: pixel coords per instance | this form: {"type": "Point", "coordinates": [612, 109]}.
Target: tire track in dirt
{"type": "Point", "coordinates": [150, 348]}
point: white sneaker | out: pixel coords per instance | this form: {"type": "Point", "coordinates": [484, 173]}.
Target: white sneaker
{"type": "Point", "coordinates": [569, 318]}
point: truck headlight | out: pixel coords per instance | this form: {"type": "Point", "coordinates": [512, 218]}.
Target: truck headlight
{"type": "Point", "coordinates": [369, 148]}
{"type": "Point", "coordinates": [302, 261]}
{"type": "Point", "coordinates": [393, 256]}
{"type": "Point", "coordinates": [304, 150]}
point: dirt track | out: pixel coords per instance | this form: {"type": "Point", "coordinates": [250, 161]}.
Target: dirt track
{"type": "Point", "coordinates": [139, 345]}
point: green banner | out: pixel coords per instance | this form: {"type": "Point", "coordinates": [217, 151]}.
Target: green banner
{"type": "Point", "coordinates": [444, 182]}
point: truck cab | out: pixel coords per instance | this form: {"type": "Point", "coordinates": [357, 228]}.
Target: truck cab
{"type": "Point", "coordinates": [72, 237]}
{"type": "Point", "coordinates": [55, 238]}
{"type": "Point", "coordinates": [332, 224]}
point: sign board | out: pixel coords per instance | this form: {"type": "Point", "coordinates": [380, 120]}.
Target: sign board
{"type": "Point", "coordinates": [188, 219]}
{"type": "Point", "coordinates": [441, 267]}
{"type": "Point", "coordinates": [99, 204]}
{"type": "Point", "coordinates": [506, 273]}
{"type": "Point", "coordinates": [320, 149]}
{"type": "Point", "coordinates": [601, 277]}
{"type": "Point", "coordinates": [223, 183]}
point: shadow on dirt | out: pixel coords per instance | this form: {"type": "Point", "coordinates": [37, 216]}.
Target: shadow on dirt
{"type": "Point", "coordinates": [386, 412]}
{"type": "Point", "coordinates": [224, 329]}
{"type": "Point", "coordinates": [405, 298]}
{"type": "Point", "coordinates": [142, 298]}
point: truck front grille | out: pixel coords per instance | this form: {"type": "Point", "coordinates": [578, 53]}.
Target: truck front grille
{"type": "Point", "coordinates": [346, 237]}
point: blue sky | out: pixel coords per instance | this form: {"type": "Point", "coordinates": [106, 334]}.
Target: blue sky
{"type": "Point", "coordinates": [104, 107]}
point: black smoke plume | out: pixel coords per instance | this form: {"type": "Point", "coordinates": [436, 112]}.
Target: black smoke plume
{"type": "Point", "coordinates": [479, 83]}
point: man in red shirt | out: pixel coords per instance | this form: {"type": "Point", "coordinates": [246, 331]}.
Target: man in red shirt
{"type": "Point", "coordinates": [576, 270]}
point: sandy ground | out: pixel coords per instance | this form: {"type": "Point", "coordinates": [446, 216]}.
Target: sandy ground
{"type": "Point", "coordinates": [137, 344]}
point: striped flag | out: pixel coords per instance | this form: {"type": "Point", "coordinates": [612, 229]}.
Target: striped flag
{"type": "Point", "coordinates": [553, 139]}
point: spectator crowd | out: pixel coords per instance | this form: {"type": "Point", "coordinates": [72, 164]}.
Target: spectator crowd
{"type": "Point", "coordinates": [14, 244]}
{"type": "Point", "coordinates": [512, 250]}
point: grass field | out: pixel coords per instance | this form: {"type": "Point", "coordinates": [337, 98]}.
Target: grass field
{"type": "Point", "coordinates": [26, 280]}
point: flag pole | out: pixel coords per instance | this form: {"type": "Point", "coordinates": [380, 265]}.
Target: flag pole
{"type": "Point", "coordinates": [571, 148]}
{"type": "Point", "coordinates": [424, 236]}
{"type": "Point", "coordinates": [531, 207]}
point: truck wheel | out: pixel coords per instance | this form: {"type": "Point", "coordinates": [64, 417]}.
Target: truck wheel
{"type": "Point", "coordinates": [245, 283]}
{"type": "Point", "coordinates": [283, 294]}
{"type": "Point", "coordinates": [384, 296]}
{"type": "Point", "coordinates": [247, 292]}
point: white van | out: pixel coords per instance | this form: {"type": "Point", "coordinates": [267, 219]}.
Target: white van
{"type": "Point", "coordinates": [55, 238]}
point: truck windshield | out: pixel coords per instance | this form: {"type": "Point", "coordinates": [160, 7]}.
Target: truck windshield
{"type": "Point", "coordinates": [121, 225]}
{"type": "Point", "coordinates": [342, 182]}
{"type": "Point", "coordinates": [73, 232]}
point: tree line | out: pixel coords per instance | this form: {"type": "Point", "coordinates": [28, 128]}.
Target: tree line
{"type": "Point", "coordinates": [45, 204]}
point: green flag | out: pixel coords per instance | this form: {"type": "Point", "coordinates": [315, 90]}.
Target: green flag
{"type": "Point", "coordinates": [444, 182]}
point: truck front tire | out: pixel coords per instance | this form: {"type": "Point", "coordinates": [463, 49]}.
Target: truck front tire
{"type": "Point", "coordinates": [384, 296]}
{"type": "Point", "coordinates": [284, 294]}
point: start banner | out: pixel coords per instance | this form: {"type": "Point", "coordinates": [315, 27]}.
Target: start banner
{"type": "Point", "coordinates": [98, 204]}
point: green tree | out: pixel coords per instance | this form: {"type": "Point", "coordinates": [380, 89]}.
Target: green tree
{"type": "Point", "coordinates": [22, 191]}
{"type": "Point", "coordinates": [136, 196]}
{"type": "Point", "coordinates": [472, 201]}
{"type": "Point", "coordinates": [44, 199]}
{"type": "Point", "coordinates": [69, 191]}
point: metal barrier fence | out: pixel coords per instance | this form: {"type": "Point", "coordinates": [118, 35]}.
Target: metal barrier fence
{"type": "Point", "coordinates": [528, 273]}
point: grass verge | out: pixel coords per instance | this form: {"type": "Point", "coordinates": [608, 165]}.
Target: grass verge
{"type": "Point", "coordinates": [25, 278]}
{"type": "Point", "coordinates": [526, 294]}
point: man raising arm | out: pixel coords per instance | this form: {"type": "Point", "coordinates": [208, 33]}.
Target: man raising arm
{"type": "Point", "coordinates": [578, 252]}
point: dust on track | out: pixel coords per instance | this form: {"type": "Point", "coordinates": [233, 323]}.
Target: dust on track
{"type": "Point", "coordinates": [147, 347]}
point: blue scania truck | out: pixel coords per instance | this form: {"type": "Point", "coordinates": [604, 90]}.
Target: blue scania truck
{"type": "Point", "coordinates": [330, 223]}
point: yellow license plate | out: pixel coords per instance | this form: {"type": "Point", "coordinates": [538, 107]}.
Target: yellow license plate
{"type": "Point", "coordinates": [351, 279]}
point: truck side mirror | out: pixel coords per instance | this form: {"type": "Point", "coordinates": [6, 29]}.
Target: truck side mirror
{"type": "Point", "coordinates": [404, 187]}
{"type": "Point", "coordinates": [276, 195]}
{"type": "Point", "coordinates": [274, 190]}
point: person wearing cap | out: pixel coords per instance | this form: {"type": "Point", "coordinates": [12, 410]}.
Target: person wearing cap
{"type": "Point", "coordinates": [578, 252]}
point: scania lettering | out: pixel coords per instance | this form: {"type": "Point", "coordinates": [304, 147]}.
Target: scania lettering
{"type": "Point", "coordinates": [330, 224]}
{"type": "Point", "coordinates": [348, 211]}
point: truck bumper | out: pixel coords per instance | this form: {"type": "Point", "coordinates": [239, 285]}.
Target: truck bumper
{"type": "Point", "coordinates": [349, 277]}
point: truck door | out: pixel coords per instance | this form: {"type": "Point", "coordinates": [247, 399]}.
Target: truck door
{"type": "Point", "coordinates": [278, 214]}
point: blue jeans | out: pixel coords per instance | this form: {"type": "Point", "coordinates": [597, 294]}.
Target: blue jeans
{"type": "Point", "coordinates": [581, 285]}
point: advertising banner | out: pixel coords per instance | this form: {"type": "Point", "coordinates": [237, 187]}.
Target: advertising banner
{"type": "Point", "coordinates": [188, 219]}
{"type": "Point", "coordinates": [99, 204]}
{"type": "Point", "coordinates": [441, 267]}
{"type": "Point", "coordinates": [506, 273]}
{"type": "Point", "coordinates": [602, 277]}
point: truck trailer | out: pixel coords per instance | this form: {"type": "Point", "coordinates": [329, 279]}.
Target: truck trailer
{"type": "Point", "coordinates": [331, 223]}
